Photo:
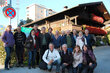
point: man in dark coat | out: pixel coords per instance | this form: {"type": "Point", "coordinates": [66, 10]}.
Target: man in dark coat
{"type": "Point", "coordinates": [89, 38]}
{"type": "Point", "coordinates": [20, 39]}
{"type": "Point", "coordinates": [66, 59]}
{"type": "Point", "coordinates": [45, 39]}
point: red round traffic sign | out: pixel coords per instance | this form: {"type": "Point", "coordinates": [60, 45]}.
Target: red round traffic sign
{"type": "Point", "coordinates": [10, 12]}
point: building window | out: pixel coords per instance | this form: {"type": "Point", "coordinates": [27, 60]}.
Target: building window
{"type": "Point", "coordinates": [27, 8]}
{"type": "Point", "coordinates": [27, 14]}
{"type": "Point", "coordinates": [27, 11]}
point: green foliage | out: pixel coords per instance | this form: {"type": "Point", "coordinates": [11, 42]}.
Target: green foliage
{"type": "Point", "coordinates": [108, 37]}
{"type": "Point", "coordinates": [97, 43]}
{"type": "Point", "coordinates": [2, 53]}
{"type": "Point", "coordinates": [13, 56]}
{"type": "Point", "coordinates": [105, 40]}
{"type": "Point", "coordinates": [28, 20]}
{"type": "Point", "coordinates": [0, 34]}
{"type": "Point", "coordinates": [21, 23]}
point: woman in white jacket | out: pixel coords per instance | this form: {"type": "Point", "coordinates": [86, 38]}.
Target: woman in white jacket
{"type": "Point", "coordinates": [52, 57]}
{"type": "Point", "coordinates": [77, 63]}
{"type": "Point", "coordinates": [81, 40]}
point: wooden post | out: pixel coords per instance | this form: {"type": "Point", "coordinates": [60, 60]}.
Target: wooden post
{"type": "Point", "coordinates": [47, 24]}
{"type": "Point", "coordinates": [67, 19]}
{"type": "Point", "coordinates": [75, 20]}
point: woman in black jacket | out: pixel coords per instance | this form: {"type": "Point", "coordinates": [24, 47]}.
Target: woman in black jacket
{"type": "Point", "coordinates": [32, 44]}
{"type": "Point", "coordinates": [89, 60]}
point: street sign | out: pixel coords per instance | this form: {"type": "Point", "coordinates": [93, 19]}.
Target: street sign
{"type": "Point", "coordinates": [3, 3]}
{"type": "Point", "coordinates": [10, 13]}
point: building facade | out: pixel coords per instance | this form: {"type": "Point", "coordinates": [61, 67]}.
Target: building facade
{"type": "Point", "coordinates": [37, 12]}
{"type": "Point", "coordinates": [91, 16]}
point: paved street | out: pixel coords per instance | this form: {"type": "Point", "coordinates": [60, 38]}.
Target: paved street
{"type": "Point", "coordinates": [102, 54]}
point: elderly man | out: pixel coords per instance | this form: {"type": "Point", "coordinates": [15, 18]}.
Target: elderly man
{"type": "Point", "coordinates": [53, 58]}
{"type": "Point", "coordinates": [74, 36]}
{"type": "Point", "coordinates": [45, 39]}
{"type": "Point", "coordinates": [56, 39]}
{"type": "Point", "coordinates": [20, 39]}
{"type": "Point", "coordinates": [89, 38]}
{"type": "Point", "coordinates": [67, 59]}
{"type": "Point", "coordinates": [62, 37]}
{"type": "Point", "coordinates": [68, 41]}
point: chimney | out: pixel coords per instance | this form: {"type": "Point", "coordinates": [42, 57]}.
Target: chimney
{"type": "Point", "coordinates": [65, 7]}
{"type": "Point", "coordinates": [50, 9]}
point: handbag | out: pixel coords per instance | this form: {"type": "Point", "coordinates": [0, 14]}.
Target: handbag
{"type": "Point", "coordinates": [43, 65]}
{"type": "Point", "coordinates": [28, 44]}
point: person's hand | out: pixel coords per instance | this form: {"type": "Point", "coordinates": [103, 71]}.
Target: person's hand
{"type": "Point", "coordinates": [6, 42]}
{"type": "Point", "coordinates": [30, 40]}
{"type": "Point", "coordinates": [65, 64]}
{"type": "Point", "coordinates": [90, 64]}
{"type": "Point", "coordinates": [51, 61]}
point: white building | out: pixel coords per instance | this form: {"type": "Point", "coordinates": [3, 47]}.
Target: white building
{"type": "Point", "coordinates": [36, 12]}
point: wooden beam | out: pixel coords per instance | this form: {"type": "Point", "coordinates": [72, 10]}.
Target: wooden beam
{"type": "Point", "coordinates": [47, 23]}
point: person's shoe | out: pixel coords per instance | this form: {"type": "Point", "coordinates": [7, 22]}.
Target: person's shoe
{"type": "Point", "coordinates": [63, 71]}
{"type": "Point", "coordinates": [49, 70]}
{"type": "Point", "coordinates": [33, 67]}
{"type": "Point", "coordinates": [22, 65]}
{"type": "Point", "coordinates": [37, 65]}
{"type": "Point", "coordinates": [17, 65]}
{"type": "Point", "coordinates": [10, 66]}
{"type": "Point", "coordinates": [29, 67]}
{"type": "Point", "coordinates": [6, 68]}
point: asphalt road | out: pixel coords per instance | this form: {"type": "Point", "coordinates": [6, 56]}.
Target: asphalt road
{"type": "Point", "coordinates": [102, 55]}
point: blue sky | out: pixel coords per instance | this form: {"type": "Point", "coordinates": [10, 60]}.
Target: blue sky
{"type": "Point", "coordinates": [56, 5]}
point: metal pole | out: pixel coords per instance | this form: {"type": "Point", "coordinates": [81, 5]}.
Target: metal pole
{"type": "Point", "coordinates": [17, 12]}
{"type": "Point", "coordinates": [9, 21]}
{"type": "Point", "coordinates": [10, 3]}
{"type": "Point", "coordinates": [10, 18]}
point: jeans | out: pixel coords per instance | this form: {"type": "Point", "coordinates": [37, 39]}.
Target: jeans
{"type": "Point", "coordinates": [89, 69]}
{"type": "Point", "coordinates": [32, 58]}
{"type": "Point", "coordinates": [8, 55]}
{"type": "Point", "coordinates": [78, 69]}
{"type": "Point", "coordinates": [57, 63]}
{"type": "Point", "coordinates": [68, 67]}
{"type": "Point", "coordinates": [19, 53]}
{"type": "Point", "coordinates": [37, 58]}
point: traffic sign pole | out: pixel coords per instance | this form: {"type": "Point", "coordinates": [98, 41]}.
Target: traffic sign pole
{"type": "Point", "coordinates": [9, 21]}
{"type": "Point", "coordinates": [10, 18]}
{"type": "Point", "coordinates": [9, 12]}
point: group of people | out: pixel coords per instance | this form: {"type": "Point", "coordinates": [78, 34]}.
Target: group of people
{"type": "Point", "coordinates": [66, 50]}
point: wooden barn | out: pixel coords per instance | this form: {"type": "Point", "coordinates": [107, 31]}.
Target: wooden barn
{"type": "Point", "coordinates": [89, 16]}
